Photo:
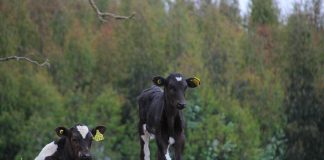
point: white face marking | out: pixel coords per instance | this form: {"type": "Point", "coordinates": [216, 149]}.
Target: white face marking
{"type": "Point", "coordinates": [48, 150]}
{"type": "Point", "coordinates": [83, 131]}
{"type": "Point", "coordinates": [146, 138]}
{"type": "Point", "coordinates": [171, 141]}
{"type": "Point", "coordinates": [178, 78]}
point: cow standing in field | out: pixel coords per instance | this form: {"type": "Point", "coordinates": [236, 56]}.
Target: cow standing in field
{"type": "Point", "coordinates": [160, 113]}
{"type": "Point", "coordinates": [74, 144]}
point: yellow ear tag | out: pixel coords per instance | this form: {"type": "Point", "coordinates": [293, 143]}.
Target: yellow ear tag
{"type": "Point", "coordinates": [98, 136]}
{"type": "Point", "coordinates": [61, 131]}
{"type": "Point", "coordinates": [158, 81]}
{"type": "Point", "coordinates": [196, 81]}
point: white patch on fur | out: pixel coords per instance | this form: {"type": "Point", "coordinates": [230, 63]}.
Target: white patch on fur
{"type": "Point", "coordinates": [146, 138]}
{"type": "Point", "coordinates": [84, 130]}
{"type": "Point", "coordinates": [167, 155]}
{"type": "Point", "coordinates": [48, 150]}
{"type": "Point", "coordinates": [152, 136]}
{"type": "Point", "coordinates": [171, 140]}
{"type": "Point", "coordinates": [178, 78]}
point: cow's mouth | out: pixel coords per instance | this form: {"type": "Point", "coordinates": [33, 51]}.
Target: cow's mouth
{"type": "Point", "coordinates": [85, 156]}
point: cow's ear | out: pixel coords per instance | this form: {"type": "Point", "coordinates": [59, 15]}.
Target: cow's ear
{"type": "Point", "coordinates": [98, 132]}
{"type": "Point", "coordinates": [62, 131]}
{"type": "Point", "coordinates": [159, 81]}
{"type": "Point", "coordinates": [193, 82]}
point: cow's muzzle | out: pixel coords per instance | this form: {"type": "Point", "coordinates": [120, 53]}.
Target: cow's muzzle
{"type": "Point", "coordinates": [85, 156]}
{"type": "Point", "coordinates": [181, 106]}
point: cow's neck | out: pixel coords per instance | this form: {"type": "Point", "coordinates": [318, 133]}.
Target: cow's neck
{"type": "Point", "coordinates": [171, 112]}
{"type": "Point", "coordinates": [67, 151]}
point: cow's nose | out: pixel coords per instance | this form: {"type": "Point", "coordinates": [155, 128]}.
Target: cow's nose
{"type": "Point", "coordinates": [181, 105]}
{"type": "Point", "coordinates": [86, 156]}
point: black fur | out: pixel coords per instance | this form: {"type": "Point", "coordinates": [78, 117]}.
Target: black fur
{"type": "Point", "coordinates": [72, 146]}
{"type": "Point", "coordinates": [161, 111]}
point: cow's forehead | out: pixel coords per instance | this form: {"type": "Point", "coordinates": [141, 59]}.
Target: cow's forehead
{"type": "Point", "coordinates": [176, 80]}
{"type": "Point", "coordinates": [175, 77]}
{"type": "Point", "coordinates": [179, 78]}
{"type": "Point", "coordinates": [83, 130]}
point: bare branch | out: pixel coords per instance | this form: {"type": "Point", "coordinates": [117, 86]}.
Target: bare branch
{"type": "Point", "coordinates": [46, 63]}
{"type": "Point", "coordinates": [103, 15]}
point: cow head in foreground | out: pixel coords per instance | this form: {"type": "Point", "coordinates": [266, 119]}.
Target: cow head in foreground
{"type": "Point", "coordinates": [161, 117]}
{"type": "Point", "coordinates": [175, 87]}
{"type": "Point", "coordinates": [74, 143]}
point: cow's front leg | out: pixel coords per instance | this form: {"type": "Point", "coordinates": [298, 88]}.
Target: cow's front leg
{"type": "Point", "coordinates": [179, 145]}
{"type": "Point", "coordinates": [162, 153]}
{"type": "Point", "coordinates": [142, 153]}
{"type": "Point", "coordinates": [144, 141]}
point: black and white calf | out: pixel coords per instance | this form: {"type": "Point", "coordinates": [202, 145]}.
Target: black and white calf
{"type": "Point", "coordinates": [161, 116]}
{"type": "Point", "coordinates": [74, 144]}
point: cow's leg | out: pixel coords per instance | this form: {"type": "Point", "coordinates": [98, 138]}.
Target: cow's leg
{"type": "Point", "coordinates": [179, 146]}
{"type": "Point", "coordinates": [162, 145]}
{"type": "Point", "coordinates": [170, 143]}
{"type": "Point", "coordinates": [142, 155]}
{"type": "Point", "coordinates": [144, 140]}
{"type": "Point", "coordinates": [160, 155]}
{"type": "Point", "coordinates": [140, 132]}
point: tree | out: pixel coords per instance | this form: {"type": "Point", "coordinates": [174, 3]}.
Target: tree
{"type": "Point", "coordinates": [230, 9]}
{"type": "Point", "coordinates": [263, 12]}
{"type": "Point", "coordinates": [102, 17]}
{"type": "Point", "coordinates": [303, 111]}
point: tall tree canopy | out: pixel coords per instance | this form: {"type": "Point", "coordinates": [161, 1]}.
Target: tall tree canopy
{"type": "Point", "coordinates": [262, 84]}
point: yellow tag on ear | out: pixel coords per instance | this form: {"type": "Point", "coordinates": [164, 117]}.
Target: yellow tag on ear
{"type": "Point", "coordinates": [98, 136]}
{"type": "Point", "coordinates": [196, 81]}
{"type": "Point", "coordinates": [61, 131]}
{"type": "Point", "coordinates": [158, 81]}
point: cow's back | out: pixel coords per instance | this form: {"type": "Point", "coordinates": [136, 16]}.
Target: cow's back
{"type": "Point", "coordinates": [53, 150]}
{"type": "Point", "coordinates": [150, 103]}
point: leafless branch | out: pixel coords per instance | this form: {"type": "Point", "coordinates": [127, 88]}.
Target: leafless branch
{"type": "Point", "coordinates": [103, 15]}
{"type": "Point", "coordinates": [46, 63]}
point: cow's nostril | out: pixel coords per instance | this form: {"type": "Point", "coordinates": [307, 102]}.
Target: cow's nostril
{"type": "Point", "coordinates": [86, 157]}
{"type": "Point", "coordinates": [181, 105]}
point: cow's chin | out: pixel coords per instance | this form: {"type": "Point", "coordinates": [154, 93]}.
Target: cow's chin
{"type": "Point", "coordinates": [180, 108]}
{"type": "Point", "coordinates": [88, 158]}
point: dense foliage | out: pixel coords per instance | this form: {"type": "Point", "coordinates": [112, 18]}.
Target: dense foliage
{"type": "Point", "coordinates": [262, 92]}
